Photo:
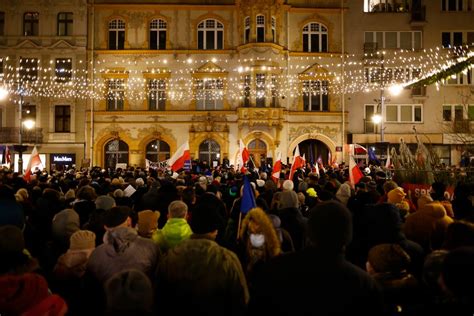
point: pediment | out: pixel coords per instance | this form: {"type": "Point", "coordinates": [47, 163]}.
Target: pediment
{"type": "Point", "coordinates": [28, 44]}
{"type": "Point", "coordinates": [315, 70]}
{"type": "Point", "coordinates": [62, 44]}
{"type": "Point", "coordinates": [210, 67]}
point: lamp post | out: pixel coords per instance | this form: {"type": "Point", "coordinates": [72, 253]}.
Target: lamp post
{"type": "Point", "coordinates": [20, 134]}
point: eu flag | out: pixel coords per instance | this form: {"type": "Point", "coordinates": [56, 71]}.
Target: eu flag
{"type": "Point", "coordinates": [248, 200]}
{"type": "Point", "coordinates": [372, 156]}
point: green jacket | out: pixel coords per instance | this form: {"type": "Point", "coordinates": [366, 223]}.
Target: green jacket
{"type": "Point", "coordinates": [175, 231]}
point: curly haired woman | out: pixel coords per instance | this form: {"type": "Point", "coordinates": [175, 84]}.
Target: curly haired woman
{"type": "Point", "coordinates": [258, 241]}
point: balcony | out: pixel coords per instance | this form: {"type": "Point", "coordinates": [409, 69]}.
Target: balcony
{"type": "Point", "coordinates": [10, 135]}
{"type": "Point", "coordinates": [271, 117]}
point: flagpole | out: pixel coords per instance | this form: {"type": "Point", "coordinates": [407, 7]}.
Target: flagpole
{"type": "Point", "coordinates": [238, 225]}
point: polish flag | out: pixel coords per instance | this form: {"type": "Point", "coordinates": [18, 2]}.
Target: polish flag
{"type": "Point", "coordinates": [357, 149]}
{"type": "Point", "coordinates": [243, 156]}
{"type": "Point", "coordinates": [298, 162]}
{"type": "Point", "coordinates": [33, 163]}
{"type": "Point", "coordinates": [182, 155]}
{"type": "Point", "coordinates": [388, 163]}
{"type": "Point", "coordinates": [354, 172]}
{"type": "Point", "coordinates": [277, 168]}
{"type": "Point", "coordinates": [8, 157]}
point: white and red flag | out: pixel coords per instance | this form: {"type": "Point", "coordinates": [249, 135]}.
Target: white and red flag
{"type": "Point", "coordinates": [242, 157]}
{"type": "Point", "coordinates": [298, 162]}
{"type": "Point", "coordinates": [354, 172]}
{"type": "Point", "coordinates": [178, 159]}
{"type": "Point", "coordinates": [33, 163]}
{"type": "Point", "coordinates": [277, 168]}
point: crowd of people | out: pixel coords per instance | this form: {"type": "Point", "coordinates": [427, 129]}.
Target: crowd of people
{"type": "Point", "coordinates": [146, 242]}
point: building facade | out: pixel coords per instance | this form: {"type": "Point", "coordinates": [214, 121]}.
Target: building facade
{"type": "Point", "coordinates": [148, 76]}
{"type": "Point", "coordinates": [43, 49]}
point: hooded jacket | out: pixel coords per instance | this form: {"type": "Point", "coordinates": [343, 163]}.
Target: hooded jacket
{"type": "Point", "coordinates": [175, 231]}
{"type": "Point", "coordinates": [428, 225]}
{"type": "Point", "coordinates": [123, 249]}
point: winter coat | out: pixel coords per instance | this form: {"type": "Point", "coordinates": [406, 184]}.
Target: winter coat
{"type": "Point", "coordinates": [175, 231]}
{"type": "Point", "coordinates": [123, 249]}
{"type": "Point", "coordinates": [72, 264]}
{"type": "Point", "coordinates": [313, 282]}
{"type": "Point", "coordinates": [428, 225]}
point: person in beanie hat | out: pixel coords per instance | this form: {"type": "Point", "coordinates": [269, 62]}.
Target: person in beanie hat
{"type": "Point", "coordinates": [15, 258]}
{"type": "Point", "coordinates": [73, 263]}
{"type": "Point", "coordinates": [129, 293]}
{"type": "Point", "coordinates": [337, 286]}
{"type": "Point", "coordinates": [122, 248]}
{"type": "Point", "coordinates": [65, 223]}
{"type": "Point", "coordinates": [104, 202]}
{"type": "Point", "coordinates": [147, 223]}
{"type": "Point", "coordinates": [19, 292]}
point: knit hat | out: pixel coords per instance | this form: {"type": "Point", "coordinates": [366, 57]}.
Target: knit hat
{"type": "Point", "coordinates": [423, 200]}
{"type": "Point", "coordinates": [70, 195]}
{"type": "Point", "coordinates": [53, 305]}
{"type": "Point", "coordinates": [82, 240]}
{"type": "Point", "coordinates": [260, 183]}
{"type": "Point", "coordinates": [116, 216]}
{"type": "Point", "coordinates": [289, 199]}
{"type": "Point", "coordinates": [115, 182]}
{"type": "Point", "coordinates": [18, 293]}
{"type": "Point", "coordinates": [104, 202]}
{"type": "Point", "coordinates": [129, 290]}
{"type": "Point", "coordinates": [65, 223]}
{"type": "Point", "coordinates": [396, 195]}
{"type": "Point", "coordinates": [388, 258]}
{"type": "Point", "coordinates": [147, 222]}
{"type": "Point", "coordinates": [288, 185]}
{"type": "Point", "coordinates": [312, 192]}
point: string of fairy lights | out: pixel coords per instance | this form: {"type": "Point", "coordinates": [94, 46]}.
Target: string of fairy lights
{"type": "Point", "coordinates": [138, 78]}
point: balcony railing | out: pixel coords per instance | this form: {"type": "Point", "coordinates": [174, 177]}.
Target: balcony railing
{"type": "Point", "coordinates": [12, 135]}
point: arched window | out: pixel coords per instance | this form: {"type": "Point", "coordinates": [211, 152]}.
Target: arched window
{"type": "Point", "coordinates": [116, 151]}
{"type": "Point", "coordinates": [315, 95]}
{"type": "Point", "coordinates": [315, 38]}
{"type": "Point", "coordinates": [157, 150]}
{"type": "Point", "coordinates": [210, 34]}
{"type": "Point", "coordinates": [209, 151]}
{"type": "Point", "coordinates": [260, 28]}
{"type": "Point", "coordinates": [247, 30]}
{"type": "Point", "coordinates": [158, 34]}
{"type": "Point", "coordinates": [116, 34]}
